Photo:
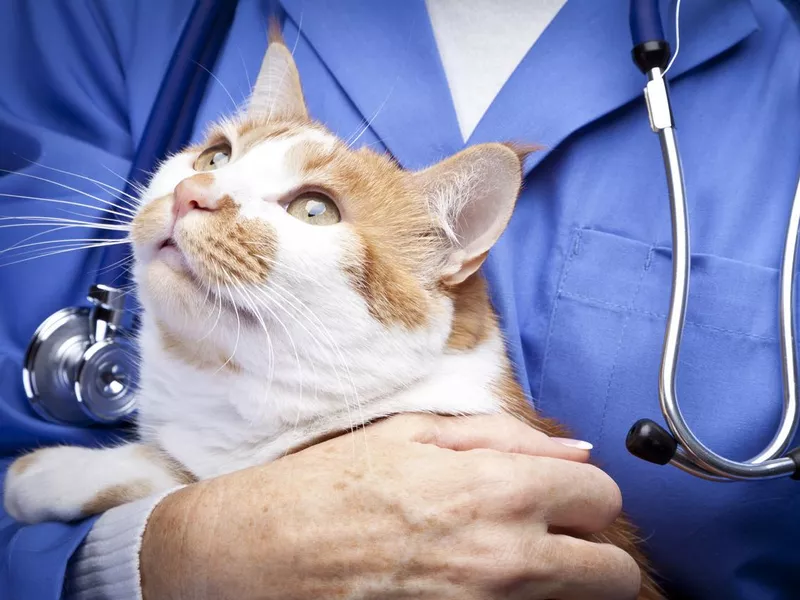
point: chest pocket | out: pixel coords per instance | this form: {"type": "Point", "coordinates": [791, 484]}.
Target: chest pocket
{"type": "Point", "coordinates": [602, 357]}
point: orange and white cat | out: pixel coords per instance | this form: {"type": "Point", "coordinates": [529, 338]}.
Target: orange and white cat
{"type": "Point", "coordinates": [293, 289]}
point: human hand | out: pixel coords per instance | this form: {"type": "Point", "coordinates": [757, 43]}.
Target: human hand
{"type": "Point", "coordinates": [415, 506]}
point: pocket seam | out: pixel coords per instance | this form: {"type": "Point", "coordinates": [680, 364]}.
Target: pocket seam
{"type": "Point", "coordinates": [620, 340]}
{"type": "Point", "coordinates": [572, 250]}
{"type": "Point", "coordinates": [622, 308]}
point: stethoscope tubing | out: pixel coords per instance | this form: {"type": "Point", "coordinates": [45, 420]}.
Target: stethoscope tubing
{"type": "Point", "coordinates": [693, 456]}
{"type": "Point", "coordinates": [647, 439]}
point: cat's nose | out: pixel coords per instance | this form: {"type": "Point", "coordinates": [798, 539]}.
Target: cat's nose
{"type": "Point", "coordinates": [194, 193]}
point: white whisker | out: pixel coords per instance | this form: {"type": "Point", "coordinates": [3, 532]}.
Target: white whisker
{"type": "Point", "coordinates": [19, 245]}
{"type": "Point", "coordinates": [134, 204]}
{"type": "Point", "coordinates": [238, 326]}
{"type": "Point", "coordinates": [139, 188]}
{"type": "Point", "coordinates": [69, 202]}
{"type": "Point", "coordinates": [107, 243]}
{"type": "Point", "coordinates": [69, 187]}
{"type": "Point", "coordinates": [378, 111]}
{"type": "Point", "coordinates": [217, 79]}
{"type": "Point", "coordinates": [45, 221]}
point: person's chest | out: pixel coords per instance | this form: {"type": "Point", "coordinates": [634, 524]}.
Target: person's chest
{"type": "Point", "coordinates": [582, 276]}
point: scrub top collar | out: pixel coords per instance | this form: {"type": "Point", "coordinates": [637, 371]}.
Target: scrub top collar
{"type": "Point", "coordinates": [381, 66]}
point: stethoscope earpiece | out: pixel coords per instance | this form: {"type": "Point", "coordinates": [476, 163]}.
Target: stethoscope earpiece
{"type": "Point", "coordinates": [651, 442]}
{"type": "Point", "coordinates": [80, 366]}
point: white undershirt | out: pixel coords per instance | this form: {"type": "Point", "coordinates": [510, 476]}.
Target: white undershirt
{"type": "Point", "coordinates": [481, 42]}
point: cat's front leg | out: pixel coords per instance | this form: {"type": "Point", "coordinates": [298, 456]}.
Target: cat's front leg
{"type": "Point", "coordinates": [66, 483]}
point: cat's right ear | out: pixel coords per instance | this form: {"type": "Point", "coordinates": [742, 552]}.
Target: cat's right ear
{"type": "Point", "coordinates": [471, 196]}
{"type": "Point", "coordinates": [277, 93]}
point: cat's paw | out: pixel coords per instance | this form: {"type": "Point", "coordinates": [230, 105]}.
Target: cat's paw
{"type": "Point", "coordinates": [66, 483]}
{"type": "Point", "coordinates": [44, 486]}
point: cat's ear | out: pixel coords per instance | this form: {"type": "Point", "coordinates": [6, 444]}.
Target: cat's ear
{"type": "Point", "coordinates": [277, 93]}
{"type": "Point", "coordinates": [472, 196]}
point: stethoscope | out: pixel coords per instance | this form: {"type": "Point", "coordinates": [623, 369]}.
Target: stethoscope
{"type": "Point", "coordinates": [78, 368]}
{"type": "Point", "coordinates": [679, 446]}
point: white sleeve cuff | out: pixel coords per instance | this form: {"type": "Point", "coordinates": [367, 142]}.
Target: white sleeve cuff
{"type": "Point", "coordinates": [106, 565]}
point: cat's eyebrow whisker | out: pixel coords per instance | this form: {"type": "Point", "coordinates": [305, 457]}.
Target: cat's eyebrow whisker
{"type": "Point", "coordinates": [140, 189]}
{"type": "Point", "coordinates": [246, 74]}
{"type": "Point", "coordinates": [217, 79]}
{"type": "Point", "coordinates": [378, 111]}
{"type": "Point", "coordinates": [106, 186]}
{"type": "Point", "coordinates": [69, 187]}
{"type": "Point", "coordinates": [69, 202]}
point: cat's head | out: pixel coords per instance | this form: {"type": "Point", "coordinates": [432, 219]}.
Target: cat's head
{"type": "Point", "coordinates": [273, 238]}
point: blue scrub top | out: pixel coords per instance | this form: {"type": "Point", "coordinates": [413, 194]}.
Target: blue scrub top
{"type": "Point", "coordinates": [582, 276]}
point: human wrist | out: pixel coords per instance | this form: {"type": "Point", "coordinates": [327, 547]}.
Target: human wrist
{"type": "Point", "coordinates": [168, 559]}
{"type": "Point", "coordinates": [107, 563]}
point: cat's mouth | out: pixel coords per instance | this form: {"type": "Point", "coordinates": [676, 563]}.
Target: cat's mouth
{"type": "Point", "coordinates": [170, 254]}
{"type": "Point", "coordinates": [168, 243]}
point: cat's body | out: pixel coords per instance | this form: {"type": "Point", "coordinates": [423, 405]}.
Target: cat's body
{"type": "Point", "coordinates": [182, 399]}
{"type": "Point", "coordinates": [294, 289]}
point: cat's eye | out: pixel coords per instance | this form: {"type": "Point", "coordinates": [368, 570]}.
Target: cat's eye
{"type": "Point", "coordinates": [314, 208]}
{"type": "Point", "coordinates": [213, 157]}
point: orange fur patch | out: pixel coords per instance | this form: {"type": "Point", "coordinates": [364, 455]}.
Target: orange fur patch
{"type": "Point", "coordinates": [473, 317]}
{"type": "Point", "coordinates": [116, 495]}
{"type": "Point", "coordinates": [178, 471]}
{"type": "Point", "coordinates": [392, 295]}
{"type": "Point", "coordinates": [203, 179]}
{"type": "Point", "coordinates": [392, 264]}
{"type": "Point", "coordinates": [22, 464]}
{"type": "Point", "coordinates": [198, 355]}
{"type": "Point", "coordinates": [391, 221]}
{"type": "Point", "coordinates": [226, 249]}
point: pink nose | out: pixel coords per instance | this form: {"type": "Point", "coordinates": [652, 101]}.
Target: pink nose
{"type": "Point", "coordinates": [194, 193]}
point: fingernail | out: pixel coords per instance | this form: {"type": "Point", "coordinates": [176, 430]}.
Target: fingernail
{"type": "Point", "coordinates": [579, 444]}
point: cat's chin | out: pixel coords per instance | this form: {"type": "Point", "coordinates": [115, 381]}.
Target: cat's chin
{"type": "Point", "coordinates": [169, 283]}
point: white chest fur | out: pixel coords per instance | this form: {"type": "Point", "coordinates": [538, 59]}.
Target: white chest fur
{"type": "Point", "coordinates": [218, 421]}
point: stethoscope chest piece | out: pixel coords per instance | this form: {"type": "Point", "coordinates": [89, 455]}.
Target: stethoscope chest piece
{"type": "Point", "coordinates": [80, 367]}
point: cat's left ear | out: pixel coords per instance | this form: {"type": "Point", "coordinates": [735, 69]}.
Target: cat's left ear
{"type": "Point", "coordinates": [472, 196]}
{"type": "Point", "coordinates": [277, 93]}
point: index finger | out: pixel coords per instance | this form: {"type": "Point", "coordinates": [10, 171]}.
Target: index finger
{"type": "Point", "coordinates": [501, 432]}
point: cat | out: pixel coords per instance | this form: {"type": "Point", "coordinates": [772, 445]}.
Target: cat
{"type": "Point", "coordinates": [294, 288]}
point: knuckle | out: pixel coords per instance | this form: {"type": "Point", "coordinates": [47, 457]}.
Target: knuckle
{"type": "Point", "coordinates": [628, 572]}
{"type": "Point", "coordinates": [613, 497]}
{"type": "Point", "coordinates": [606, 491]}
{"type": "Point", "coordinates": [422, 426]}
